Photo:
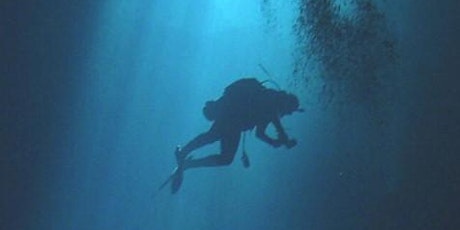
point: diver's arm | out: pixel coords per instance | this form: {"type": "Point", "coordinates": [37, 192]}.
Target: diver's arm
{"type": "Point", "coordinates": [282, 136]}
{"type": "Point", "coordinates": [260, 133]}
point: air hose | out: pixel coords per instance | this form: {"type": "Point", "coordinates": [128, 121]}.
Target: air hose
{"type": "Point", "coordinates": [244, 157]}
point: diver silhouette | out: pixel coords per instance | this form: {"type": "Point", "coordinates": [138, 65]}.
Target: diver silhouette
{"type": "Point", "coordinates": [246, 104]}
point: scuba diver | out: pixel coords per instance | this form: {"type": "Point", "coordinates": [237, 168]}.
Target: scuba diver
{"type": "Point", "coordinates": [246, 104]}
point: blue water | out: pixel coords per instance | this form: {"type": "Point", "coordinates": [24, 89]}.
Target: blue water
{"type": "Point", "coordinates": [97, 94]}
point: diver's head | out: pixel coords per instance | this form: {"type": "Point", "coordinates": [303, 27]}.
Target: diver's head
{"type": "Point", "coordinates": [288, 103]}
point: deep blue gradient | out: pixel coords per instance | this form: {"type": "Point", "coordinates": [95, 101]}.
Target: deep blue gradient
{"type": "Point", "coordinates": [96, 95]}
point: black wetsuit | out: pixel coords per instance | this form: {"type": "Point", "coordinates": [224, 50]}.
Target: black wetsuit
{"type": "Point", "coordinates": [239, 114]}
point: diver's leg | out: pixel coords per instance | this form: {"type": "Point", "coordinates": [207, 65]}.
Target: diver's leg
{"type": "Point", "coordinates": [203, 139]}
{"type": "Point", "coordinates": [199, 141]}
{"type": "Point", "coordinates": [229, 145]}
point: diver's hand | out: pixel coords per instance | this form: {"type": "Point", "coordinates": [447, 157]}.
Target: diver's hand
{"type": "Point", "coordinates": [277, 143]}
{"type": "Point", "coordinates": [284, 140]}
{"type": "Point", "coordinates": [290, 143]}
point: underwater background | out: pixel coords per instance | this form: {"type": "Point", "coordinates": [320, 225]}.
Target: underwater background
{"type": "Point", "coordinates": [95, 95]}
